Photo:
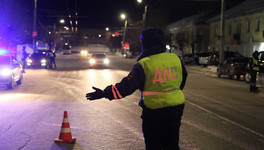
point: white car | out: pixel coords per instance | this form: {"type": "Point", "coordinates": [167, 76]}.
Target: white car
{"type": "Point", "coordinates": [98, 59]}
{"type": "Point", "coordinates": [10, 71]}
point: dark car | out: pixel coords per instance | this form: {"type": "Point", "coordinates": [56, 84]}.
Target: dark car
{"type": "Point", "coordinates": [214, 58]}
{"type": "Point", "coordinates": [233, 67]}
{"type": "Point", "coordinates": [40, 59]}
{"type": "Point", "coordinates": [261, 67]}
{"type": "Point", "coordinates": [10, 71]}
{"type": "Point", "coordinates": [190, 59]}
{"type": "Point", "coordinates": [203, 58]}
{"type": "Point", "coordinates": [261, 61]}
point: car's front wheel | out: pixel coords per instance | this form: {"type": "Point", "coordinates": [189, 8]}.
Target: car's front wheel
{"type": "Point", "coordinates": [247, 77]}
{"type": "Point", "coordinates": [11, 84]}
{"type": "Point", "coordinates": [20, 80]}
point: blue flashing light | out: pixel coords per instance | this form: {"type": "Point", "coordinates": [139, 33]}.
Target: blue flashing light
{"type": "Point", "coordinates": [3, 51]}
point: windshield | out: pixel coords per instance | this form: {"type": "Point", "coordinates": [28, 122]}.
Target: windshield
{"type": "Point", "coordinates": [66, 47]}
{"type": "Point", "coordinates": [37, 55]}
{"type": "Point", "coordinates": [98, 56]}
{"type": "Point", "coordinates": [4, 60]}
{"type": "Point", "coordinates": [240, 60]}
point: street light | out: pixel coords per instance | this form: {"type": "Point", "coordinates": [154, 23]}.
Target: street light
{"type": "Point", "coordinates": [62, 21]}
{"type": "Point", "coordinates": [145, 12]}
{"type": "Point", "coordinates": [107, 29]}
{"type": "Point", "coordinates": [123, 16]}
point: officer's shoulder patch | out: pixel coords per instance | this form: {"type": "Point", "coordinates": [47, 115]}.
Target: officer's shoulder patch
{"type": "Point", "coordinates": [131, 75]}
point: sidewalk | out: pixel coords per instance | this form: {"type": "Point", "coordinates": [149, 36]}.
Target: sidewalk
{"type": "Point", "coordinates": [212, 71]}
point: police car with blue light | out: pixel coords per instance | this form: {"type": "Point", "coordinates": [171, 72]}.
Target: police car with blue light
{"type": "Point", "coordinates": [10, 70]}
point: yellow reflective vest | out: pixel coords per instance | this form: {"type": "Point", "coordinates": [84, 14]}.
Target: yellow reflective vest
{"type": "Point", "coordinates": [255, 64]}
{"type": "Point", "coordinates": [163, 80]}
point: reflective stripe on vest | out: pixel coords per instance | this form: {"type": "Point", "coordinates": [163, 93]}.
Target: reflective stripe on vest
{"type": "Point", "coordinates": [147, 93]}
{"type": "Point", "coordinates": [255, 64]}
{"type": "Point", "coordinates": [163, 74]}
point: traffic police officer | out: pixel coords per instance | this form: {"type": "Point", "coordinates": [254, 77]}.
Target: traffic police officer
{"type": "Point", "coordinates": [52, 56]}
{"type": "Point", "coordinates": [160, 76]}
{"type": "Point", "coordinates": [254, 68]}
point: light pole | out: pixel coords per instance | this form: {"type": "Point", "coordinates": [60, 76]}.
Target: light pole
{"type": "Point", "coordinates": [123, 16]}
{"type": "Point", "coordinates": [34, 25]}
{"type": "Point", "coordinates": [222, 29]}
{"type": "Point", "coordinates": [145, 12]}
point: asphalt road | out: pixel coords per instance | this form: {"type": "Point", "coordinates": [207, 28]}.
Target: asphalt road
{"type": "Point", "coordinates": [219, 113]}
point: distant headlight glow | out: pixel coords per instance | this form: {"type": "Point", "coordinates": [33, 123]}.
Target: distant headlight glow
{"type": "Point", "coordinates": [91, 61]}
{"type": "Point", "coordinates": [43, 61]}
{"type": "Point", "coordinates": [29, 61]}
{"type": "Point", "coordinates": [106, 61]}
{"type": "Point", "coordinates": [6, 72]}
{"type": "Point", "coordinates": [84, 52]}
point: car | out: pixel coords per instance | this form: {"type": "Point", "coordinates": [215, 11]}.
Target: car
{"type": "Point", "coordinates": [98, 59]}
{"type": "Point", "coordinates": [191, 59]}
{"type": "Point", "coordinates": [127, 53]}
{"type": "Point", "coordinates": [214, 58]}
{"type": "Point", "coordinates": [203, 58]}
{"type": "Point", "coordinates": [10, 71]}
{"type": "Point", "coordinates": [67, 49]}
{"type": "Point", "coordinates": [39, 59]}
{"type": "Point", "coordinates": [232, 67]}
{"type": "Point", "coordinates": [261, 61]}
{"type": "Point", "coordinates": [84, 53]}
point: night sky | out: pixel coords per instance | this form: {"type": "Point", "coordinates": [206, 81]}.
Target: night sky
{"type": "Point", "coordinates": [102, 13]}
{"type": "Point", "coordinates": [93, 14]}
{"type": "Point", "coordinates": [17, 15]}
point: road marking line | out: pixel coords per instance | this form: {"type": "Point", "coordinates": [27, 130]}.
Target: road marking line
{"type": "Point", "coordinates": [227, 120]}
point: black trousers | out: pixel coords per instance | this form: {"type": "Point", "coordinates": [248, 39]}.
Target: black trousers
{"type": "Point", "coordinates": [161, 128]}
{"type": "Point", "coordinates": [253, 75]}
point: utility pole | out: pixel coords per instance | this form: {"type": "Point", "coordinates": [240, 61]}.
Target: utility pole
{"type": "Point", "coordinates": [34, 26]}
{"type": "Point", "coordinates": [222, 31]}
{"type": "Point", "coordinates": [145, 16]}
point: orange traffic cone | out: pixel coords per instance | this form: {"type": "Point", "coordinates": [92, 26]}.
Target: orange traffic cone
{"type": "Point", "coordinates": [65, 133]}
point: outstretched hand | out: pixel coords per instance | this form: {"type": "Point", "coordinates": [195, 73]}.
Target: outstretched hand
{"type": "Point", "coordinates": [95, 95]}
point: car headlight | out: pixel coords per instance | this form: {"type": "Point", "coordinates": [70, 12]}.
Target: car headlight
{"type": "Point", "coordinates": [6, 72]}
{"type": "Point", "coordinates": [106, 61]}
{"type": "Point", "coordinates": [91, 61]}
{"type": "Point", "coordinates": [43, 61]}
{"type": "Point", "coordinates": [29, 61]}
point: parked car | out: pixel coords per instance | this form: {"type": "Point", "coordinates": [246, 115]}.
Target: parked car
{"type": "Point", "coordinates": [98, 59]}
{"type": "Point", "coordinates": [40, 59]}
{"type": "Point", "coordinates": [190, 59]}
{"type": "Point", "coordinates": [233, 67]}
{"type": "Point", "coordinates": [214, 58]}
{"type": "Point", "coordinates": [10, 71]}
{"type": "Point", "coordinates": [261, 61]}
{"type": "Point", "coordinates": [203, 58]}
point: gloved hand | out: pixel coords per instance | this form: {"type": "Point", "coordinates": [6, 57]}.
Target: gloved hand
{"type": "Point", "coordinates": [95, 95]}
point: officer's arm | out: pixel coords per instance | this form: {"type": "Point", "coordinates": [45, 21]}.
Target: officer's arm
{"type": "Point", "coordinates": [127, 85]}
{"type": "Point", "coordinates": [184, 76]}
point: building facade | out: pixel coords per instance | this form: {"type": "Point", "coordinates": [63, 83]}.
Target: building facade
{"type": "Point", "coordinates": [189, 35]}
{"type": "Point", "coordinates": [243, 28]}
